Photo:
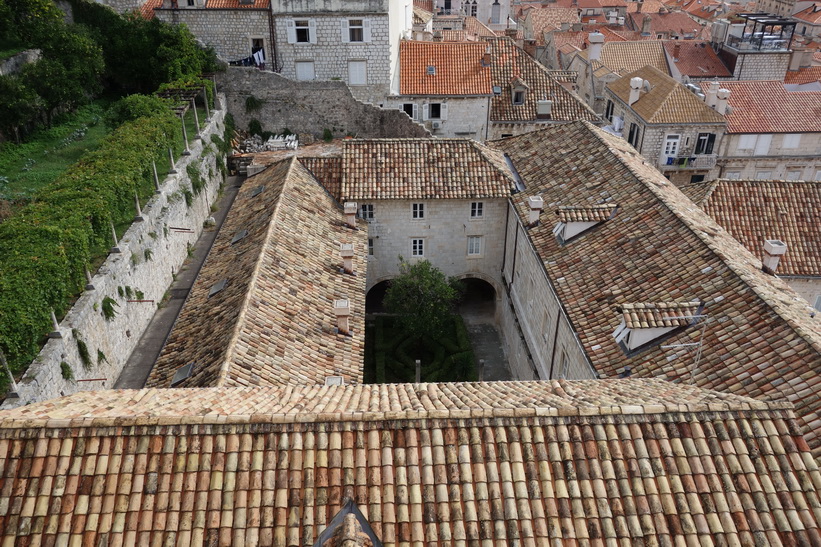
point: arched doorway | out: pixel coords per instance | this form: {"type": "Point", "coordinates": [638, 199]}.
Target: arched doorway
{"type": "Point", "coordinates": [478, 302]}
{"type": "Point", "coordinates": [375, 297]}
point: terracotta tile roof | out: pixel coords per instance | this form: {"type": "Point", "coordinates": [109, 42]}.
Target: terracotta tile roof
{"type": "Point", "coordinates": [667, 102]}
{"type": "Point", "coordinates": [581, 462]}
{"type": "Point", "coordinates": [650, 315]}
{"type": "Point", "coordinates": [812, 14]}
{"type": "Point", "coordinates": [509, 62]}
{"type": "Point", "coordinates": [475, 27]}
{"type": "Point", "coordinates": [147, 9]}
{"type": "Point", "coordinates": [327, 171]}
{"type": "Point", "coordinates": [590, 213]}
{"type": "Point", "coordinates": [421, 16]}
{"type": "Point", "coordinates": [422, 169]}
{"type": "Point", "coordinates": [458, 69]}
{"type": "Point", "coordinates": [804, 76]}
{"type": "Point", "coordinates": [426, 5]}
{"type": "Point", "coordinates": [677, 23]}
{"type": "Point", "coordinates": [760, 342]}
{"type": "Point", "coordinates": [456, 36]}
{"type": "Point", "coordinates": [546, 19]}
{"type": "Point", "coordinates": [624, 57]}
{"type": "Point", "coordinates": [766, 107]}
{"type": "Point", "coordinates": [236, 4]}
{"type": "Point", "coordinates": [696, 59]}
{"type": "Point", "coordinates": [273, 322]}
{"type": "Point", "coordinates": [648, 6]}
{"type": "Point", "coordinates": [753, 211]}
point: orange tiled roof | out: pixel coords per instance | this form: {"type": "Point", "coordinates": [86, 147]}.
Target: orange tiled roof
{"type": "Point", "coordinates": [422, 169]}
{"type": "Point", "coordinates": [236, 4]}
{"type": "Point", "coordinates": [476, 28]}
{"type": "Point", "coordinates": [542, 20]}
{"type": "Point", "coordinates": [766, 107]}
{"type": "Point", "coordinates": [753, 211]}
{"type": "Point", "coordinates": [761, 341]}
{"type": "Point", "coordinates": [509, 62]}
{"type": "Point", "coordinates": [255, 331]}
{"type": "Point", "coordinates": [421, 16]}
{"type": "Point", "coordinates": [667, 102]}
{"type": "Point", "coordinates": [676, 22]}
{"type": "Point", "coordinates": [804, 76]}
{"type": "Point", "coordinates": [528, 463]}
{"type": "Point", "coordinates": [648, 6]}
{"type": "Point", "coordinates": [696, 59]}
{"type": "Point", "coordinates": [651, 315]}
{"type": "Point", "coordinates": [458, 69]}
{"type": "Point", "coordinates": [812, 14]}
{"type": "Point", "coordinates": [327, 170]}
{"type": "Point", "coordinates": [624, 57]}
{"type": "Point", "coordinates": [147, 9]}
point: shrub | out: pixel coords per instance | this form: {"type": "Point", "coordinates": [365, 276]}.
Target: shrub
{"type": "Point", "coordinates": [255, 127]}
{"type": "Point", "coordinates": [134, 107]}
{"type": "Point", "coordinates": [252, 104]}
{"type": "Point", "coordinates": [82, 350]}
{"type": "Point", "coordinates": [108, 304]}
{"type": "Point", "coordinates": [65, 370]}
{"type": "Point", "coordinates": [101, 358]}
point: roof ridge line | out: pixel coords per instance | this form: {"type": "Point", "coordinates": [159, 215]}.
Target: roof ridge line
{"type": "Point", "coordinates": [232, 343]}
{"type": "Point", "coordinates": [808, 333]}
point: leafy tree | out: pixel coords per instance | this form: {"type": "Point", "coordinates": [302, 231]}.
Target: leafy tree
{"type": "Point", "coordinates": [132, 107]}
{"type": "Point", "coordinates": [422, 297]}
{"type": "Point", "coordinates": [32, 20]}
{"type": "Point", "coordinates": [19, 105]}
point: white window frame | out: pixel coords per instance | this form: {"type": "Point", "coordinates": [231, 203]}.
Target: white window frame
{"type": "Point", "coordinates": [305, 63]}
{"type": "Point", "coordinates": [518, 97]}
{"type": "Point", "coordinates": [762, 145]}
{"type": "Point", "coordinates": [443, 111]}
{"type": "Point", "coordinates": [732, 175]}
{"type": "Point", "coordinates": [349, 28]}
{"type": "Point", "coordinates": [370, 246]}
{"type": "Point", "coordinates": [793, 174]}
{"type": "Point", "coordinates": [818, 302]}
{"type": "Point", "coordinates": [791, 140]}
{"type": "Point", "coordinates": [818, 175]}
{"type": "Point", "coordinates": [291, 27]}
{"type": "Point", "coordinates": [418, 211]}
{"type": "Point", "coordinates": [474, 246]}
{"type": "Point", "coordinates": [747, 142]}
{"type": "Point", "coordinates": [672, 142]}
{"type": "Point", "coordinates": [414, 110]}
{"type": "Point", "coordinates": [353, 75]}
{"type": "Point", "coordinates": [366, 211]}
{"type": "Point", "coordinates": [763, 175]}
{"type": "Point", "coordinates": [477, 210]}
{"type": "Point", "coordinates": [417, 246]}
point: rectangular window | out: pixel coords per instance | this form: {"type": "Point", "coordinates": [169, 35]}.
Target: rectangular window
{"type": "Point", "coordinates": [733, 175]}
{"type": "Point", "coordinates": [793, 175]}
{"type": "Point", "coordinates": [370, 246]}
{"type": "Point", "coordinates": [435, 111]}
{"type": "Point", "coordinates": [818, 175]}
{"type": "Point", "coordinates": [818, 302]}
{"type": "Point", "coordinates": [366, 211]}
{"type": "Point", "coordinates": [696, 178]}
{"type": "Point", "coordinates": [633, 135]}
{"type": "Point", "coordinates": [763, 175]}
{"type": "Point", "coordinates": [357, 72]}
{"type": "Point", "coordinates": [305, 70]}
{"type": "Point", "coordinates": [608, 112]}
{"type": "Point", "coordinates": [474, 245]}
{"type": "Point", "coordinates": [302, 31]}
{"type": "Point", "coordinates": [410, 110]}
{"type": "Point", "coordinates": [791, 140]}
{"type": "Point", "coordinates": [518, 97]}
{"type": "Point", "coordinates": [477, 209]}
{"type": "Point", "coordinates": [705, 143]}
{"type": "Point", "coordinates": [417, 247]}
{"type": "Point", "coordinates": [355, 30]}
{"type": "Point", "coordinates": [762, 145]}
{"type": "Point", "coordinates": [671, 145]}
{"type": "Point", "coordinates": [418, 211]}
{"type": "Point", "coordinates": [746, 142]}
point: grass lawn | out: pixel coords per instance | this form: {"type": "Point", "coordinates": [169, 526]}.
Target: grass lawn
{"type": "Point", "coordinates": [390, 354]}
{"type": "Point", "coordinates": [27, 167]}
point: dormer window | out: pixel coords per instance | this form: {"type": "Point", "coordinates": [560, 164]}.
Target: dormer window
{"type": "Point", "coordinates": [518, 90]}
{"type": "Point", "coordinates": [575, 221]}
{"type": "Point", "coordinates": [518, 97]}
{"type": "Point", "coordinates": [644, 325]}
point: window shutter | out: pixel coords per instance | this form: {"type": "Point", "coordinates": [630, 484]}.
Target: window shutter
{"type": "Point", "coordinates": [312, 30]}
{"type": "Point", "coordinates": [762, 147]}
{"type": "Point", "coordinates": [290, 29]}
{"type": "Point", "coordinates": [425, 112]}
{"type": "Point", "coordinates": [415, 111]}
{"type": "Point", "coordinates": [711, 141]}
{"type": "Point", "coordinates": [346, 35]}
{"type": "Point", "coordinates": [443, 111]}
{"type": "Point", "coordinates": [366, 30]}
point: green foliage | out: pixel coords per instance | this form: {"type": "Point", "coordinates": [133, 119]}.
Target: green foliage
{"type": "Point", "coordinates": [108, 304]}
{"type": "Point", "coordinates": [252, 104]}
{"type": "Point", "coordinates": [129, 292]}
{"type": "Point", "coordinates": [148, 254]}
{"type": "Point", "coordinates": [327, 135]}
{"type": "Point", "coordinates": [197, 182]}
{"type": "Point", "coordinates": [121, 292]}
{"type": "Point", "coordinates": [66, 371]}
{"type": "Point", "coordinates": [82, 350]}
{"type": "Point", "coordinates": [101, 358]}
{"type": "Point", "coordinates": [189, 196]}
{"type": "Point", "coordinates": [255, 127]}
{"type": "Point", "coordinates": [139, 295]}
{"type": "Point", "coordinates": [134, 107]}
{"type": "Point", "coordinates": [31, 20]}
{"type": "Point", "coordinates": [422, 297]}
{"type": "Point", "coordinates": [19, 105]}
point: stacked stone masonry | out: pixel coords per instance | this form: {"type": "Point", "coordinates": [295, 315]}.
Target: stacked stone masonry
{"type": "Point", "coordinates": [151, 252]}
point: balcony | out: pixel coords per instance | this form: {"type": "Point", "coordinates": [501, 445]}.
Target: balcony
{"type": "Point", "coordinates": [678, 163]}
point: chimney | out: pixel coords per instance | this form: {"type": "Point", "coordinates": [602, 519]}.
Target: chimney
{"type": "Point", "coordinates": [646, 22]}
{"type": "Point", "coordinates": [639, 6]}
{"type": "Point", "coordinates": [636, 84]}
{"type": "Point", "coordinates": [342, 311]}
{"type": "Point", "coordinates": [544, 109]}
{"type": "Point", "coordinates": [577, 27]}
{"type": "Point", "coordinates": [511, 33]}
{"type": "Point", "coordinates": [621, 21]}
{"type": "Point", "coordinates": [722, 97]}
{"type": "Point", "coordinates": [676, 51]}
{"type": "Point", "coordinates": [711, 95]}
{"type": "Point", "coordinates": [596, 40]}
{"type": "Point", "coordinates": [773, 250]}
{"type": "Point", "coordinates": [565, 26]}
{"type": "Point", "coordinates": [486, 59]}
{"type": "Point", "coordinates": [346, 250]}
{"type": "Point", "coordinates": [350, 214]}
{"type": "Point", "coordinates": [437, 36]}
{"type": "Point", "coordinates": [536, 204]}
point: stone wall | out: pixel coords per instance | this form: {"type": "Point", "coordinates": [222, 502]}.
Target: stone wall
{"type": "Point", "coordinates": [229, 32]}
{"type": "Point", "coordinates": [151, 252]}
{"type": "Point", "coordinates": [310, 107]}
{"type": "Point", "coordinates": [467, 117]}
{"type": "Point", "coordinates": [541, 342]}
{"type": "Point", "coordinates": [774, 161]}
{"type": "Point", "coordinates": [122, 6]}
{"type": "Point", "coordinates": [762, 66]}
{"type": "Point", "coordinates": [15, 63]}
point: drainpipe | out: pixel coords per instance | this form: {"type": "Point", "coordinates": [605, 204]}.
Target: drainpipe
{"type": "Point", "coordinates": [274, 58]}
{"type": "Point", "coordinates": [555, 343]}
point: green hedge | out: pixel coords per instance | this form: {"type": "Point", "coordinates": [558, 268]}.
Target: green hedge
{"type": "Point", "coordinates": [45, 248]}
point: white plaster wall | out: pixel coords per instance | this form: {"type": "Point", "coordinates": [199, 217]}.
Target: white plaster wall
{"type": "Point", "coordinates": [538, 334]}
{"type": "Point", "coordinates": [445, 229]}
{"type": "Point", "coordinates": [806, 158]}
{"type": "Point", "coordinates": [809, 289]}
{"type": "Point", "coordinates": [169, 248]}
{"type": "Point", "coordinates": [467, 116]}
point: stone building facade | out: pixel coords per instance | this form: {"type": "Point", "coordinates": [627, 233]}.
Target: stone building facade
{"type": "Point", "coordinates": [461, 117]}
{"type": "Point", "coordinates": [777, 156]}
